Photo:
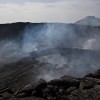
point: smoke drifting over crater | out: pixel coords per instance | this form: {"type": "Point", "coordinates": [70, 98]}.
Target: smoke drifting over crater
{"type": "Point", "coordinates": [41, 36]}
{"type": "Point", "coordinates": [92, 44]}
{"type": "Point", "coordinates": [48, 36]}
{"type": "Point", "coordinates": [61, 35]}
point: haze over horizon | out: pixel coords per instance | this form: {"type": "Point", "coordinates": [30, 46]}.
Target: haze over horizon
{"type": "Point", "coordinates": [64, 11]}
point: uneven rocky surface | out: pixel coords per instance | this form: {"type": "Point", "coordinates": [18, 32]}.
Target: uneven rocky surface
{"type": "Point", "coordinates": [64, 88]}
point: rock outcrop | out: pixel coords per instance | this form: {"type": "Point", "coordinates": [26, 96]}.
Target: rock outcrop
{"type": "Point", "coordinates": [64, 88]}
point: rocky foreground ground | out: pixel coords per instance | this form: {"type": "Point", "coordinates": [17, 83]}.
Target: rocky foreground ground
{"type": "Point", "coordinates": [65, 88]}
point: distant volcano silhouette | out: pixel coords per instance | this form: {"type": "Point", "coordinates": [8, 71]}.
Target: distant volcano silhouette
{"type": "Point", "coordinates": [89, 20]}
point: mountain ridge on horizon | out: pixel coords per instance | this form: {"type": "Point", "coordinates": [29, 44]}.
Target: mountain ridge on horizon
{"type": "Point", "coordinates": [89, 20]}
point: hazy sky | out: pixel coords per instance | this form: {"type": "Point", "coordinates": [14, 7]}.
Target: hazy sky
{"type": "Point", "coordinates": [66, 11]}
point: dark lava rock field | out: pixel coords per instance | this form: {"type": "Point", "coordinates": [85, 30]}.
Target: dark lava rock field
{"type": "Point", "coordinates": [64, 88]}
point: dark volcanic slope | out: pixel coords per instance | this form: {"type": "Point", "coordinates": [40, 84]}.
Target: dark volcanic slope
{"type": "Point", "coordinates": [8, 31]}
{"type": "Point", "coordinates": [64, 88]}
{"type": "Point", "coordinates": [16, 29]}
{"type": "Point", "coordinates": [16, 74]}
{"type": "Point", "coordinates": [27, 69]}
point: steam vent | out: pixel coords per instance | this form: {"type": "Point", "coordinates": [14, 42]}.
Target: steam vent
{"type": "Point", "coordinates": [50, 61]}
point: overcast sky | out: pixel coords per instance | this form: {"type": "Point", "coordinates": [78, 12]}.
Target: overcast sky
{"type": "Point", "coordinates": [65, 11]}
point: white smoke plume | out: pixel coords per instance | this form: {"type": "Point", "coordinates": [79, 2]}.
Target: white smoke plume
{"type": "Point", "coordinates": [49, 36]}
{"type": "Point", "coordinates": [92, 44]}
{"type": "Point", "coordinates": [54, 35]}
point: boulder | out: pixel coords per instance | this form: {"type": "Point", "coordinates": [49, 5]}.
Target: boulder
{"type": "Point", "coordinates": [40, 85]}
{"type": "Point", "coordinates": [65, 81]}
{"type": "Point", "coordinates": [94, 75]}
{"type": "Point", "coordinates": [88, 82]}
{"type": "Point", "coordinates": [28, 88]}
